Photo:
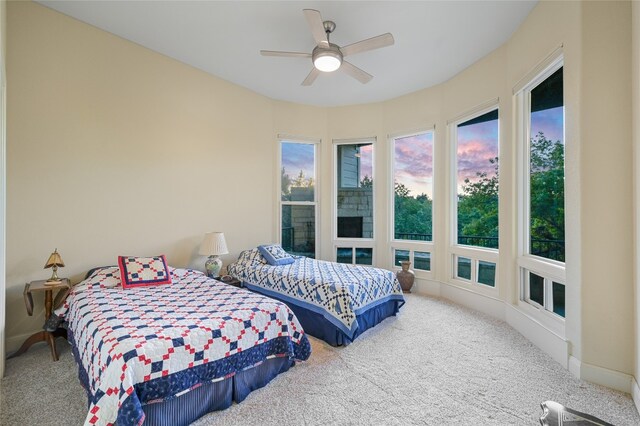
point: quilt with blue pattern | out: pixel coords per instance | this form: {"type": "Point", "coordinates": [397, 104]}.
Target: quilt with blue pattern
{"type": "Point", "coordinates": [146, 344]}
{"type": "Point", "coordinates": [337, 291]}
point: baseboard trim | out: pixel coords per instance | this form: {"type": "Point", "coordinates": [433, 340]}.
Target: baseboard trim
{"type": "Point", "coordinates": [426, 287]}
{"type": "Point", "coordinates": [554, 345]}
{"type": "Point", "coordinates": [635, 393]}
{"type": "Point", "coordinates": [476, 301]}
{"type": "Point", "coordinates": [574, 366]}
{"type": "Point", "coordinates": [609, 378]}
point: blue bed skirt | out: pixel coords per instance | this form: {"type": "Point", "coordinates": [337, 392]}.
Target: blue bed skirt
{"type": "Point", "coordinates": [210, 396]}
{"type": "Point", "coordinates": [316, 325]}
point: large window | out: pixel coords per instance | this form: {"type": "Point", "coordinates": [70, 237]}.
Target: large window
{"type": "Point", "coordinates": [475, 140]}
{"type": "Point", "coordinates": [546, 169]}
{"type": "Point", "coordinates": [353, 220]}
{"type": "Point", "coordinates": [541, 175]}
{"type": "Point", "coordinates": [354, 192]}
{"type": "Point", "coordinates": [412, 209]}
{"type": "Point", "coordinates": [298, 197]}
{"type": "Point", "coordinates": [477, 181]}
{"type": "Point", "coordinates": [413, 187]}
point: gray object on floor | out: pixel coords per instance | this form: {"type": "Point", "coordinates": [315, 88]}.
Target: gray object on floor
{"type": "Point", "coordinates": [436, 363]}
{"type": "Point", "coordinates": [555, 414]}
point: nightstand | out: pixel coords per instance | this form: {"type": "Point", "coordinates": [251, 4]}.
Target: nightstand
{"type": "Point", "coordinates": [62, 288]}
{"type": "Point", "coordinates": [232, 281]}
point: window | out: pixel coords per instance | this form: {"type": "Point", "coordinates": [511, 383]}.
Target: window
{"type": "Point", "coordinates": [546, 169]}
{"type": "Point", "coordinates": [354, 201]}
{"type": "Point", "coordinates": [298, 197]}
{"type": "Point", "coordinates": [413, 187]}
{"type": "Point", "coordinates": [355, 255]}
{"type": "Point", "coordinates": [354, 192]}
{"type": "Point", "coordinates": [541, 230]}
{"type": "Point", "coordinates": [421, 260]}
{"type": "Point", "coordinates": [477, 181]}
{"type": "Point", "coordinates": [411, 225]}
{"type": "Point", "coordinates": [475, 141]}
{"type": "Point", "coordinates": [544, 293]}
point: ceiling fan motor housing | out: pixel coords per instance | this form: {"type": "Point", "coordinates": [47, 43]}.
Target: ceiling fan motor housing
{"type": "Point", "coordinates": [331, 54]}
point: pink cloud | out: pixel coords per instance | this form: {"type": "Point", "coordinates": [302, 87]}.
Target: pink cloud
{"type": "Point", "coordinates": [414, 163]}
{"type": "Point", "coordinates": [477, 144]}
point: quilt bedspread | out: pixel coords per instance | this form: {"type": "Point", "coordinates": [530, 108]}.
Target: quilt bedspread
{"type": "Point", "coordinates": [338, 291]}
{"type": "Point", "coordinates": [152, 343]}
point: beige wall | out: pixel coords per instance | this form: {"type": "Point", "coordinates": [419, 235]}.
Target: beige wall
{"type": "Point", "coordinates": [606, 186]}
{"type": "Point", "coordinates": [91, 114]}
{"type": "Point", "coordinates": [114, 149]}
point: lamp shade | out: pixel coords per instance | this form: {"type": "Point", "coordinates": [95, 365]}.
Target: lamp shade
{"type": "Point", "coordinates": [213, 244]}
{"type": "Point", "coordinates": [54, 260]}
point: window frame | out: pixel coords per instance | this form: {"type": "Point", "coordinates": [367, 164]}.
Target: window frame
{"type": "Point", "coordinates": [410, 245]}
{"type": "Point", "coordinates": [344, 241]}
{"type": "Point", "coordinates": [455, 250]}
{"type": "Point", "coordinates": [550, 270]}
{"type": "Point", "coordinates": [316, 190]}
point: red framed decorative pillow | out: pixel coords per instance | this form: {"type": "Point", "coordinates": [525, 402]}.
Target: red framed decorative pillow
{"type": "Point", "coordinates": [143, 271]}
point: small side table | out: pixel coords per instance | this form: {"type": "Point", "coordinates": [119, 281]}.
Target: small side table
{"type": "Point", "coordinates": [44, 336]}
{"type": "Point", "coordinates": [230, 280]}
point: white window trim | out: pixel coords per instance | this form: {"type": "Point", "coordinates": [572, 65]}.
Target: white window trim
{"type": "Point", "coordinates": [550, 270]}
{"type": "Point", "coordinates": [475, 253]}
{"type": "Point", "coordinates": [353, 242]}
{"type": "Point", "coordinates": [316, 191]}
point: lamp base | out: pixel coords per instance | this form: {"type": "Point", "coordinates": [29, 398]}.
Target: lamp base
{"type": "Point", "coordinates": [212, 266]}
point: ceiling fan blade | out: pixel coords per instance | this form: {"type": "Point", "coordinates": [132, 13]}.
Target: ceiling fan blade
{"type": "Point", "coordinates": [287, 54]}
{"type": "Point", "coordinates": [377, 42]}
{"type": "Point", "coordinates": [317, 27]}
{"type": "Point", "coordinates": [356, 72]}
{"type": "Point", "coordinates": [311, 77]}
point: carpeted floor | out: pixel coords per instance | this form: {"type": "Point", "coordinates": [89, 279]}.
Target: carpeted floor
{"type": "Point", "coordinates": [437, 363]}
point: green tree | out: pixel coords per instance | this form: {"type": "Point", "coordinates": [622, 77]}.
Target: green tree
{"type": "Point", "coordinates": [478, 209]}
{"type": "Point", "coordinates": [366, 182]}
{"type": "Point", "coordinates": [412, 215]}
{"type": "Point", "coordinates": [546, 189]}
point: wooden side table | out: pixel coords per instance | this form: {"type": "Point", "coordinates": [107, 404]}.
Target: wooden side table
{"type": "Point", "coordinates": [228, 279]}
{"type": "Point", "coordinates": [44, 336]}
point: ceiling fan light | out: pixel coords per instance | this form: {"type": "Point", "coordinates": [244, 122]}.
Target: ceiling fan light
{"type": "Point", "coordinates": [327, 61]}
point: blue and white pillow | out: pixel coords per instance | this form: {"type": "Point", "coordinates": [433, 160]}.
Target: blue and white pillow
{"type": "Point", "coordinates": [275, 254]}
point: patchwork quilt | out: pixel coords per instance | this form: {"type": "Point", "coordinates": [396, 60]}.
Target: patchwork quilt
{"type": "Point", "coordinates": [145, 344]}
{"type": "Point", "coordinates": [337, 291]}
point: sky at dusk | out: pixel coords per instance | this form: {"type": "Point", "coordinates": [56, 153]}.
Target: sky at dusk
{"type": "Point", "coordinates": [550, 122]}
{"type": "Point", "coordinates": [366, 161]}
{"type": "Point", "coordinates": [477, 144]}
{"type": "Point", "coordinates": [413, 165]}
{"type": "Point", "coordinates": [296, 157]}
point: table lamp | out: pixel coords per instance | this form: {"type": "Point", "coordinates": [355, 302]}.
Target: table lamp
{"type": "Point", "coordinates": [213, 245]}
{"type": "Point", "coordinates": [54, 262]}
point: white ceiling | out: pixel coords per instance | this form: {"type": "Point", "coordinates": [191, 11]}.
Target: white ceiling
{"type": "Point", "coordinates": [434, 40]}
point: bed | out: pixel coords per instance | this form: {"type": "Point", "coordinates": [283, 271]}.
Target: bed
{"type": "Point", "coordinates": [168, 354]}
{"type": "Point", "coordinates": [334, 302]}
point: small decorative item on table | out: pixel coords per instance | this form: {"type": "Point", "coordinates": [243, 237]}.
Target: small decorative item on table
{"type": "Point", "coordinates": [54, 262]}
{"type": "Point", "coordinates": [406, 276]}
{"type": "Point", "coordinates": [213, 245]}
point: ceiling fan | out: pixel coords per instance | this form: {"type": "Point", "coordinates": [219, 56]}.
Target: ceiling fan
{"type": "Point", "coordinates": [329, 57]}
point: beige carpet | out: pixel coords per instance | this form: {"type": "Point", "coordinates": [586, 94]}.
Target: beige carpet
{"type": "Point", "coordinates": [435, 364]}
